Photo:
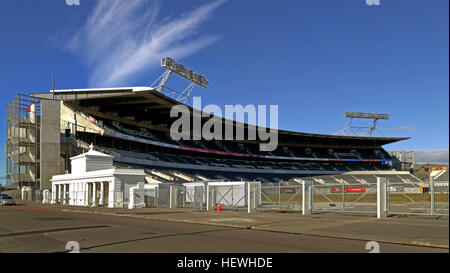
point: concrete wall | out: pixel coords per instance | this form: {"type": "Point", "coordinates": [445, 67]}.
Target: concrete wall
{"type": "Point", "coordinates": [50, 142]}
{"type": "Point", "coordinates": [83, 121]}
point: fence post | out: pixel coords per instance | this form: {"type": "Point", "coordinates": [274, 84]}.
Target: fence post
{"type": "Point", "coordinates": [251, 196]}
{"type": "Point", "coordinates": [279, 195]}
{"type": "Point", "coordinates": [343, 195]}
{"type": "Point", "coordinates": [306, 198]}
{"type": "Point", "coordinates": [202, 195]}
{"type": "Point", "coordinates": [172, 198]}
{"type": "Point", "coordinates": [381, 197]}
{"type": "Point", "coordinates": [432, 195]}
{"type": "Point", "coordinates": [208, 198]}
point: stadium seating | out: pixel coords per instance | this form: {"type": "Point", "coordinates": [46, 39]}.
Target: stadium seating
{"type": "Point", "coordinates": [270, 170]}
{"type": "Point", "coordinates": [442, 176]}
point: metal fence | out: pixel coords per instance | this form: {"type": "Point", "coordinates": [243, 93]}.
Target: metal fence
{"type": "Point", "coordinates": [161, 197]}
{"type": "Point", "coordinates": [195, 197]}
{"type": "Point", "coordinates": [440, 202]}
{"type": "Point", "coordinates": [417, 199]}
{"type": "Point", "coordinates": [280, 197]}
{"type": "Point", "coordinates": [230, 197]}
{"type": "Point", "coordinates": [341, 197]}
{"type": "Point", "coordinates": [401, 197]}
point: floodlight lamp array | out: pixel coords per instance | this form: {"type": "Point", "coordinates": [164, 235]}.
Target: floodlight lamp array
{"type": "Point", "coordinates": [184, 72]}
{"type": "Point", "coordinates": [366, 115]}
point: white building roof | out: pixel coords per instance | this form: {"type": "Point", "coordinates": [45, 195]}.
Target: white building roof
{"type": "Point", "coordinates": [132, 88]}
{"type": "Point", "coordinates": [98, 174]}
{"type": "Point", "coordinates": [92, 153]}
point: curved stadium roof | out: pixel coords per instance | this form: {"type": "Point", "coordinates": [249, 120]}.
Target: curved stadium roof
{"type": "Point", "coordinates": [149, 108]}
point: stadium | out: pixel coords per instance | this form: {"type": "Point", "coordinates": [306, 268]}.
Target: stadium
{"type": "Point", "coordinates": [132, 124]}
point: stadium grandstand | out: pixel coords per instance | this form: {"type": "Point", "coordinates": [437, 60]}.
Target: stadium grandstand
{"type": "Point", "coordinates": [439, 173]}
{"type": "Point", "coordinates": [132, 124]}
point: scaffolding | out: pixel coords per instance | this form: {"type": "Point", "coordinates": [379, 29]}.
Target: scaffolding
{"type": "Point", "coordinates": [23, 115]}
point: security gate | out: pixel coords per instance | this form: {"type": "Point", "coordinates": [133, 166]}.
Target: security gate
{"type": "Point", "coordinates": [151, 197]}
{"type": "Point", "coordinates": [195, 197]}
{"type": "Point", "coordinates": [440, 203]}
{"type": "Point", "coordinates": [180, 196]}
{"type": "Point", "coordinates": [417, 199]}
{"type": "Point", "coordinates": [342, 197]}
{"type": "Point", "coordinates": [234, 195]}
{"type": "Point", "coordinates": [231, 197]}
{"type": "Point", "coordinates": [281, 197]}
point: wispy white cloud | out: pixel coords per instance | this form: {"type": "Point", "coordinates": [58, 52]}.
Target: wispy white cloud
{"type": "Point", "coordinates": [122, 39]}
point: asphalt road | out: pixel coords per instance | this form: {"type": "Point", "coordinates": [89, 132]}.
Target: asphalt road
{"type": "Point", "coordinates": [26, 229]}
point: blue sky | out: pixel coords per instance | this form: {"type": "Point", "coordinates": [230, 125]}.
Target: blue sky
{"type": "Point", "coordinates": [316, 59]}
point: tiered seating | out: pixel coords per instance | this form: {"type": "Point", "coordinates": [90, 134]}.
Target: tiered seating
{"type": "Point", "coordinates": [322, 153]}
{"type": "Point", "coordinates": [299, 152]}
{"type": "Point", "coordinates": [184, 175]}
{"type": "Point", "coordinates": [349, 179]}
{"type": "Point", "coordinates": [443, 177]}
{"type": "Point", "coordinates": [369, 178]}
{"type": "Point", "coordinates": [252, 149]}
{"type": "Point", "coordinates": [368, 154]}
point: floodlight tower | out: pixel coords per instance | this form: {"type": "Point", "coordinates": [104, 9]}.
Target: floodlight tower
{"type": "Point", "coordinates": [361, 130]}
{"type": "Point", "coordinates": [172, 66]}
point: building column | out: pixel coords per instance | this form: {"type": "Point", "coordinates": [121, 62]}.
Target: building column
{"type": "Point", "coordinates": [75, 193]}
{"type": "Point", "coordinates": [102, 188]}
{"type": "Point", "coordinates": [60, 193]}
{"type": "Point", "coordinates": [71, 194]}
{"type": "Point", "coordinates": [80, 194]}
{"type": "Point", "coordinates": [64, 194]}
{"type": "Point", "coordinates": [111, 195]}
{"type": "Point", "coordinates": [94, 194]}
{"type": "Point", "coordinates": [88, 193]}
{"type": "Point", "coordinates": [74, 188]}
{"type": "Point", "coordinates": [85, 190]}
{"type": "Point", "coordinates": [53, 197]}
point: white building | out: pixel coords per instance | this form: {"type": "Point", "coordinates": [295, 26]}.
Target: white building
{"type": "Point", "coordinates": [94, 182]}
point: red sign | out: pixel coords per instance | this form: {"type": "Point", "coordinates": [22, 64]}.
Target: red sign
{"type": "Point", "coordinates": [348, 189]}
{"type": "Point", "coordinates": [356, 189]}
{"type": "Point", "coordinates": [439, 168]}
